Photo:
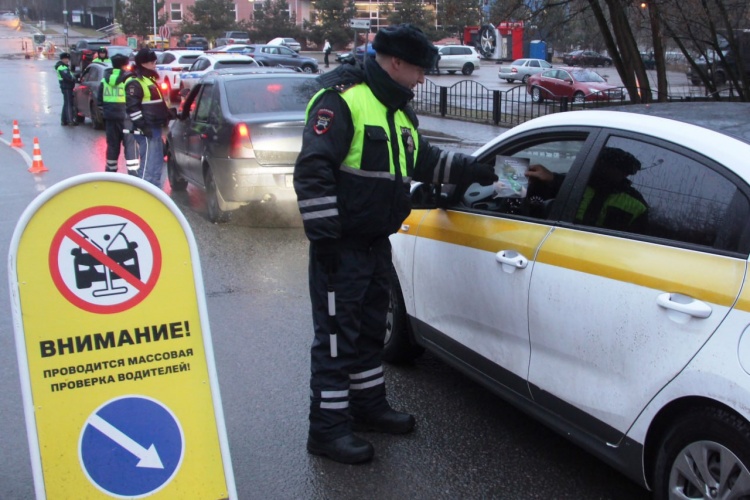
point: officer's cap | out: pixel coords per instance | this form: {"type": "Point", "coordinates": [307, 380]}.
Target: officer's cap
{"type": "Point", "coordinates": [64, 55]}
{"type": "Point", "coordinates": [619, 159]}
{"type": "Point", "coordinates": [102, 50]}
{"type": "Point", "coordinates": [119, 60]}
{"type": "Point", "coordinates": [406, 42]}
{"type": "Point", "coordinates": [144, 56]}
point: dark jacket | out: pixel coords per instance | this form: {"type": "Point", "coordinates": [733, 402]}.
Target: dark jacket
{"type": "Point", "coordinates": [341, 204]}
{"type": "Point", "coordinates": [113, 78]}
{"type": "Point", "coordinates": [151, 111]}
{"type": "Point", "coordinates": [66, 78]}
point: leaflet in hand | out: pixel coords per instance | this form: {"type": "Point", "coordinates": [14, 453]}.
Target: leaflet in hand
{"type": "Point", "coordinates": [512, 182]}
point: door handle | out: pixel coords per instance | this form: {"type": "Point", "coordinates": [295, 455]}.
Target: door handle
{"type": "Point", "coordinates": [683, 304]}
{"type": "Point", "coordinates": [511, 260]}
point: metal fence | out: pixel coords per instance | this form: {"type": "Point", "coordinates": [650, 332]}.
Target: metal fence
{"type": "Point", "coordinates": [472, 101]}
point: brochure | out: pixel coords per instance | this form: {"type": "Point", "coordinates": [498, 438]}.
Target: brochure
{"type": "Point", "coordinates": [512, 182]}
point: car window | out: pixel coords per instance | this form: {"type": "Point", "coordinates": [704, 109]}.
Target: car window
{"type": "Point", "coordinates": [167, 58]}
{"type": "Point", "coordinates": [514, 193]}
{"type": "Point", "coordinates": [665, 194]}
{"type": "Point", "coordinates": [264, 95]}
{"type": "Point", "coordinates": [286, 51]}
{"type": "Point", "coordinates": [93, 75]}
{"type": "Point", "coordinates": [534, 64]}
{"type": "Point", "coordinates": [187, 59]}
{"type": "Point", "coordinates": [205, 103]}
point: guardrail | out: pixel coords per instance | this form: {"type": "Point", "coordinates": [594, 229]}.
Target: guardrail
{"type": "Point", "coordinates": [471, 101]}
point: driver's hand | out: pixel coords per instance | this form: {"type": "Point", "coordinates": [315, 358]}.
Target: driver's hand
{"type": "Point", "coordinates": [539, 172]}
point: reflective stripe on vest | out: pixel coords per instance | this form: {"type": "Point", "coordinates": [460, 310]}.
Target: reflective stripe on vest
{"type": "Point", "coordinates": [366, 109]}
{"type": "Point", "coordinates": [623, 201]}
{"type": "Point", "coordinates": [113, 93]}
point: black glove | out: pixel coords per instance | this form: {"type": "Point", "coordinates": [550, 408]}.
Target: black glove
{"type": "Point", "coordinates": [326, 252]}
{"type": "Point", "coordinates": [145, 130]}
{"type": "Point", "coordinates": [483, 173]}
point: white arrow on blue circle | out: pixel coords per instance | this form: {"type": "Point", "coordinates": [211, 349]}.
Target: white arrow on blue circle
{"type": "Point", "coordinates": [149, 457]}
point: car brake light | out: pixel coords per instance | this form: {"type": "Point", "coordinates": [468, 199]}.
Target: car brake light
{"type": "Point", "coordinates": [176, 68]}
{"type": "Point", "coordinates": [164, 86]}
{"type": "Point", "coordinates": [514, 70]}
{"type": "Point", "coordinates": [274, 88]}
{"type": "Point", "coordinates": [241, 145]}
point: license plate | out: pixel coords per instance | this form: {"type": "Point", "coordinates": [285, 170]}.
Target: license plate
{"type": "Point", "coordinates": [289, 180]}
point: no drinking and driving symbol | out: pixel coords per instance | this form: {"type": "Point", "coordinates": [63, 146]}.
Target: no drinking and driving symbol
{"type": "Point", "coordinates": [105, 259]}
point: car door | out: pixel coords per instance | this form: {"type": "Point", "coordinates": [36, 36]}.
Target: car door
{"type": "Point", "coordinates": [201, 130]}
{"type": "Point", "coordinates": [86, 92]}
{"type": "Point", "coordinates": [473, 263]}
{"type": "Point", "coordinates": [615, 314]}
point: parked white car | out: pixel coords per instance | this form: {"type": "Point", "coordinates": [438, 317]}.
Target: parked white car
{"type": "Point", "coordinates": [522, 69]}
{"type": "Point", "coordinates": [457, 58]}
{"type": "Point", "coordinates": [207, 62]}
{"type": "Point", "coordinates": [287, 42]}
{"type": "Point", "coordinates": [607, 295]}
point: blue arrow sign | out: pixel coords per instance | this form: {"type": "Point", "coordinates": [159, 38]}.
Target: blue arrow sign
{"type": "Point", "coordinates": [131, 446]}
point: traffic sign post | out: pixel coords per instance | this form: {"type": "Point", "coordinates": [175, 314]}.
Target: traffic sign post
{"type": "Point", "coordinates": [112, 337]}
{"type": "Point", "coordinates": [362, 24]}
{"type": "Point", "coordinates": [164, 33]}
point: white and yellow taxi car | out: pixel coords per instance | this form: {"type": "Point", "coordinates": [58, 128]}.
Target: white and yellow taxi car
{"type": "Point", "coordinates": [632, 341]}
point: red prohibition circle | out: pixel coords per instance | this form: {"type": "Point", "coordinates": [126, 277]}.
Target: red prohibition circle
{"type": "Point", "coordinates": [68, 227]}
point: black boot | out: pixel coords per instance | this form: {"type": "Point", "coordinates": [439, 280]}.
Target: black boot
{"type": "Point", "coordinates": [348, 449]}
{"type": "Point", "coordinates": [389, 422]}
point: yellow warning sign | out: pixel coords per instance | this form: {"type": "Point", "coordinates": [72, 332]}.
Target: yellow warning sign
{"type": "Point", "coordinates": [120, 390]}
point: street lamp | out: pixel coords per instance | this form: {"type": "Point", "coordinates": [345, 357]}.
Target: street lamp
{"type": "Point", "coordinates": [154, 22]}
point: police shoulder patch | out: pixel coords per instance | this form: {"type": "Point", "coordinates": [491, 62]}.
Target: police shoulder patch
{"type": "Point", "coordinates": [323, 121]}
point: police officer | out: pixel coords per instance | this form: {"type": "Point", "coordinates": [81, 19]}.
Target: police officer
{"type": "Point", "coordinates": [111, 100]}
{"type": "Point", "coordinates": [360, 150]}
{"type": "Point", "coordinates": [67, 83]}
{"type": "Point", "coordinates": [149, 113]}
{"type": "Point", "coordinates": [102, 56]}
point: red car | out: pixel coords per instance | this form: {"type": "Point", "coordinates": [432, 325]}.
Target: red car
{"type": "Point", "coordinates": [577, 84]}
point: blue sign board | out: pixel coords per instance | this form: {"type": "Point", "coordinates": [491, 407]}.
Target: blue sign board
{"type": "Point", "coordinates": [131, 446]}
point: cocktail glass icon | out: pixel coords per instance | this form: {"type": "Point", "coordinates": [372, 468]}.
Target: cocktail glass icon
{"type": "Point", "coordinates": [111, 241]}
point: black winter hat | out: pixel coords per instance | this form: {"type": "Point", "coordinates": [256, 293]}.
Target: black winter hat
{"type": "Point", "coordinates": [119, 61]}
{"type": "Point", "coordinates": [406, 42]}
{"type": "Point", "coordinates": [144, 56]}
{"type": "Point", "coordinates": [64, 55]}
{"type": "Point", "coordinates": [619, 159]}
{"type": "Point", "coordinates": [102, 50]}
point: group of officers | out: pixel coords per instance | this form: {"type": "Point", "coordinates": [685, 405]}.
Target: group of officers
{"type": "Point", "coordinates": [133, 109]}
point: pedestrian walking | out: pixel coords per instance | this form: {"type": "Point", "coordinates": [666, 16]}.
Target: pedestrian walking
{"type": "Point", "coordinates": [326, 52]}
{"type": "Point", "coordinates": [149, 113]}
{"type": "Point", "coordinates": [361, 148]}
{"type": "Point", "coordinates": [111, 100]}
{"type": "Point", "coordinates": [67, 83]}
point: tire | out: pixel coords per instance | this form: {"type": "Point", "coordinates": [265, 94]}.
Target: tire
{"type": "Point", "coordinates": [509, 80]}
{"type": "Point", "coordinates": [97, 120]}
{"type": "Point", "coordinates": [468, 69]}
{"type": "Point", "coordinates": [579, 98]}
{"type": "Point", "coordinates": [536, 95]}
{"type": "Point", "coordinates": [307, 68]}
{"type": "Point", "coordinates": [77, 116]}
{"type": "Point", "coordinates": [399, 345]}
{"type": "Point", "coordinates": [703, 441]}
{"type": "Point", "coordinates": [213, 203]}
{"type": "Point", "coordinates": [607, 64]}
{"type": "Point", "coordinates": [176, 180]}
{"type": "Point", "coordinates": [487, 41]}
{"type": "Point", "coordinates": [525, 79]}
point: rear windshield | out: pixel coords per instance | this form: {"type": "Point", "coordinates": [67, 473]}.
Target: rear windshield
{"type": "Point", "coordinates": [232, 64]}
{"type": "Point", "coordinates": [267, 95]}
{"type": "Point", "coordinates": [187, 59]}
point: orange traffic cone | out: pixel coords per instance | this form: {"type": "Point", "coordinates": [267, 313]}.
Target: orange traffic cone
{"type": "Point", "coordinates": [37, 165]}
{"type": "Point", "coordinates": [16, 142]}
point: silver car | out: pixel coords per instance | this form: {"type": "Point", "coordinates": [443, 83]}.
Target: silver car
{"type": "Point", "coordinates": [522, 69]}
{"type": "Point", "coordinates": [238, 135]}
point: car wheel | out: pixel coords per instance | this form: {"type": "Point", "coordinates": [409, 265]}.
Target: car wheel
{"type": "Point", "coordinates": [97, 120]}
{"type": "Point", "coordinates": [536, 95]}
{"type": "Point", "coordinates": [176, 180]}
{"type": "Point", "coordinates": [399, 345]}
{"type": "Point", "coordinates": [213, 200]}
{"type": "Point", "coordinates": [705, 454]}
{"type": "Point", "coordinates": [307, 68]}
{"type": "Point", "coordinates": [77, 116]}
{"type": "Point", "coordinates": [468, 69]}
{"type": "Point", "coordinates": [607, 64]}
{"type": "Point", "coordinates": [509, 80]}
{"type": "Point", "coordinates": [487, 41]}
{"type": "Point", "coordinates": [579, 98]}
{"type": "Point", "coordinates": [525, 79]}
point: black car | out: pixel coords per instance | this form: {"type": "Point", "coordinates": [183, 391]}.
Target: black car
{"type": "Point", "coordinates": [84, 51]}
{"type": "Point", "coordinates": [238, 135]}
{"type": "Point", "coordinates": [84, 95]}
{"type": "Point", "coordinates": [274, 55]}
{"type": "Point", "coordinates": [193, 42]}
{"type": "Point", "coordinates": [586, 58]}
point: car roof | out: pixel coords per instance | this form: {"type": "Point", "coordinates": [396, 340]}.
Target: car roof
{"type": "Point", "coordinates": [223, 56]}
{"type": "Point", "coordinates": [717, 130]}
{"type": "Point", "coordinates": [184, 52]}
{"type": "Point", "coordinates": [231, 73]}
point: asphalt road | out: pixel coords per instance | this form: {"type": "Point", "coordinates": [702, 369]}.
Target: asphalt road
{"type": "Point", "coordinates": [468, 443]}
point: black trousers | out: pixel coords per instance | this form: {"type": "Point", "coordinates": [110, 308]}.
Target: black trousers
{"type": "Point", "coordinates": [352, 383]}
{"type": "Point", "coordinates": [325, 58]}
{"type": "Point", "coordinates": [67, 110]}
